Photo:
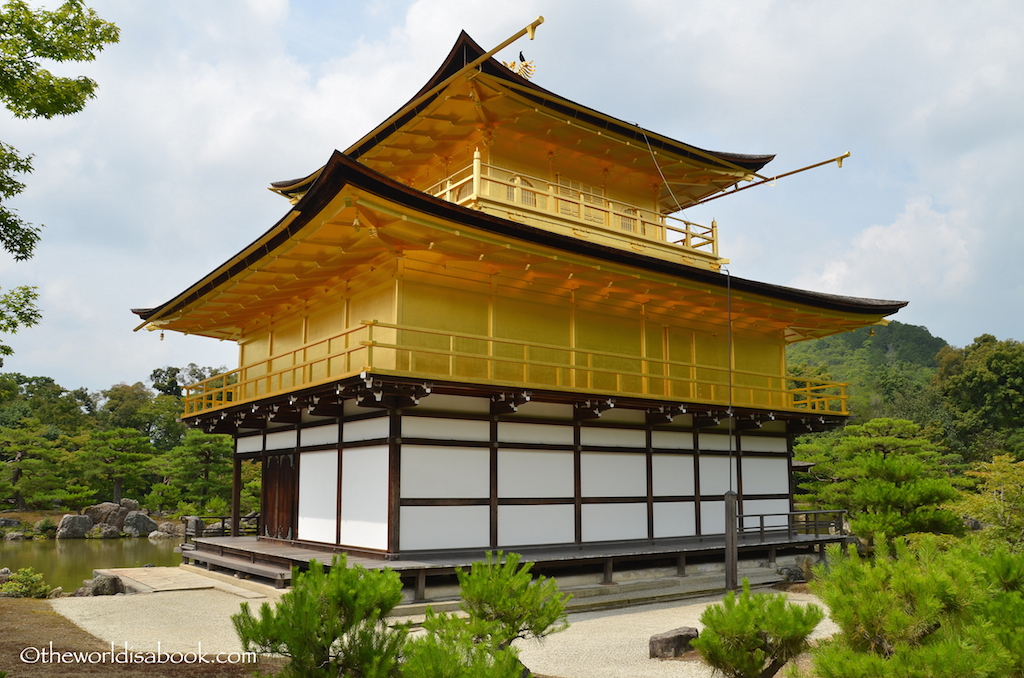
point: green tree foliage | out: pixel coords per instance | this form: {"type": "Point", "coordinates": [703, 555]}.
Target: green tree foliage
{"type": "Point", "coordinates": [30, 468]}
{"type": "Point", "coordinates": [453, 647]}
{"type": "Point", "coordinates": [922, 611]}
{"type": "Point", "coordinates": [173, 380]}
{"type": "Point", "coordinates": [42, 399]}
{"type": "Point", "coordinates": [116, 460]}
{"type": "Point", "coordinates": [501, 592]}
{"type": "Point", "coordinates": [886, 475]}
{"type": "Point", "coordinates": [983, 386]}
{"type": "Point", "coordinates": [998, 501]}
{"type": "Point", "coordinates": [753, 636]}
{"type": "Point", "coordinates": [198, 469]}
{"type": "Point", "coordinates": [330, 624]}
{"type": "Point", "coordinates": [28, 37]}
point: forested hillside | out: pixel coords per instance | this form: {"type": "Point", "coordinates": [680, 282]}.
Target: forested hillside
{"type": "Point", "coordinates": [970, 399]}
{"type": "Point", "coordinates": [889, 368]}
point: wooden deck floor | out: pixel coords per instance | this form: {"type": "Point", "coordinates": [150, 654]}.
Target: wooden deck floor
{"type": "Point", "coordinates": [548, 555]}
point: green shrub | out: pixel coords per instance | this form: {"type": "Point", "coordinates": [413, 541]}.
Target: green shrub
{"type": "Point", "coordinates": [454, 647]}
{"type": "Point", "coordinates": [506, 595]}
{"type": "Point", "coordinates": [47, 528]}
{"type": "Point", "coordinates": [755, 635]}
{"type": "Point", "coordinates": [25, 583]}
{"type": "Point", "coordinates": [923, 610]}
{"type": "Point", "coordinates": [330, 624]}
{"type": "Point", "coordinates": [217, 506]}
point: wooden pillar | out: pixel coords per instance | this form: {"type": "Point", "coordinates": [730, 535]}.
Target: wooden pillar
{"type": "Point", "coordinates": [236, 495]}
{"type": "Point", "coordinates": [731, 552]}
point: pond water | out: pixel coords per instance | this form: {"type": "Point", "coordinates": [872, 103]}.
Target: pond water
{"type": "Point", "coordinates": [66, 562]}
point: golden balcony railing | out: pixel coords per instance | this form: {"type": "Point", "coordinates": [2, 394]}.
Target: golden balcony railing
{"type": "Point", "coordinates": [385, 348]}
{"type": "Point", "coordinates": [574, 203]}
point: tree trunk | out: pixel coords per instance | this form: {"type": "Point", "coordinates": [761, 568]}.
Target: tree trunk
{"type": "Point", "coordinates": [117, 491]}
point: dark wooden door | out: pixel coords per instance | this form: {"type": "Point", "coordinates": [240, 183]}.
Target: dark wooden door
{"type": "Point", "coordinates": [279, 496]}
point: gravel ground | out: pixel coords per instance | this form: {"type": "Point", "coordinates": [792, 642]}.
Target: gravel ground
{"type": "Point", "coordinates": [178, 620]}
{"type": "Point", "coordinates": [605, 644]}
{"type": "Point", "coordinates": [614, 643]}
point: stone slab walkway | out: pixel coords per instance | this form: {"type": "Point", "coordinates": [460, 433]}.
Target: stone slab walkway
{"type": "Point", "coordinates": [163, 579]}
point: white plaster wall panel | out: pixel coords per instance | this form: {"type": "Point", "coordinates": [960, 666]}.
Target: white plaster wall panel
{"type": "Point", "coordinates": [672, 474]}
{"type": "Point", "coordinates": [535, 473]}
{"type": "Point", "coordinates": [527, 525]}
{"type": "Point", "coordinates": [250, 444]}
{"type": "Point", "coordinates": [319, 435]}
{"type": "Point", "coordinates": [543, 411]}
{"type": "Point", "coordinates": [450, 403]}
{"type": "Point", "coordinates": [714, 475]}
{"type": "Point", "coordinates": [714, 441]}
{"type": "Point", "coordinates": [613, 437]}
{"type": "Point", "coordinates": [765, 475]}
{"type": "Point", "coordinates": [430, 472]}
{"type": "Point", "coordinates": [364, 497]}
{"type": "Point", "coordinates": [444, 527]}
{"type": "Point", "coordinates": [674, 519]}
{"type": "Point", "coordinates": [672, 440]}
{"type": "Point", "coordinates": [621, 416]}
{"type": "Point", "coordinates": [712, 517]}
{"type": "Point", "coordinates": [445, 429]}
{"type": "Point", "coordinates": [539, 434]}
{"type": "Point", "coordinates": [754, 507]}
{"type": "Point", "coordinates": [365, 429]}
{"type": "Point", "coordinates": [318, 496]}
{"type": "Point", "coordinates": [613, 474]}
{"type": "Point", "coordinates": [609, 522]}
{"type": "Point", "coordinates": [281, 440]}
{"type": "Point", "coordinates": [764, 444]}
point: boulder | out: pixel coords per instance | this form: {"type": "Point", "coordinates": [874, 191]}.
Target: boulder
{"type": "Point", "coordinates": [56, 593]}
{"type": "Point", "coordinates": [157, 534]}
{"type": "Point", "coordinates": [74, 527]}
{"type": "Point", "coordinates": [10, 522]}
{"type": "Point", "coordinates": [14, 536]}
{"type": "Point", "coordinates": [674, 643]}
{"type": "Point", "coordinates": [171, 527]}
{"type": "Point", "coordinates": [108, 512]}
{"type": "Point", "coordinates": [218, 529]}
{"type": "Point", "coordinates": [102, 585]}
{"type": "Point", "coordinates": [793, 575]}
{"type": "Point", "coordinates": [138, 524]}
{"type": "Point", "coordinates": [130, 504]}
{"type": "Point", "coordinates": [106, 531]}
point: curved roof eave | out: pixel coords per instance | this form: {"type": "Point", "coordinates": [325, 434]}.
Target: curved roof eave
{"type": "Point", "coordinates": [342, 170]}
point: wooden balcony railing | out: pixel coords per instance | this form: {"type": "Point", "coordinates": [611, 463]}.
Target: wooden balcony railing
{"type": "Point", "coordinates": [385, 348]}
{"type": "Point", "coordinates": [573, 203]}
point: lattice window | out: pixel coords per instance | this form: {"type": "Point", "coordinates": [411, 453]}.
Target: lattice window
{"type": "Point", "coordinates": [627, 220]}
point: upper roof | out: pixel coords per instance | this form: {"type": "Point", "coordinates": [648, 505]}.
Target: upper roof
{"type": "Point", "coordinates": [431, 122]}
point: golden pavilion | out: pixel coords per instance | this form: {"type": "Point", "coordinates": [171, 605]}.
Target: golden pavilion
{"type": "Point", "coordinates": [480, 327]}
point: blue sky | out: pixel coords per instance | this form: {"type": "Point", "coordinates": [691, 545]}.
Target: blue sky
{"type": "Point", "coordinates": [203, 104]}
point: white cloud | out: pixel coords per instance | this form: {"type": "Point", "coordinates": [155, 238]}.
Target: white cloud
{"type": "Point", "coordinates": [921, 250]}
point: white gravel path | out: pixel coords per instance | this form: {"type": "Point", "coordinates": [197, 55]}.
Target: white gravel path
{"type": "Point", "coordinates": [604, 644]}
{"type": "Point", "coordinates": [614, 643]}
{"type": "Point", "coordinates": [177, 620]}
